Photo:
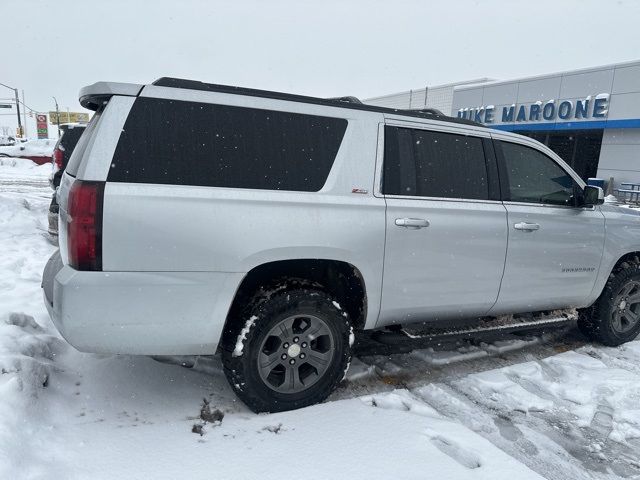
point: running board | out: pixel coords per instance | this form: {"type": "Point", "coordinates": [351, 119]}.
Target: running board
{"type": "Point", "coordinates": [403, 340]}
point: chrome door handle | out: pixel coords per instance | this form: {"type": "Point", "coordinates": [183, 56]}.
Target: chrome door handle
{"type": "Point", "coordinates": [412, 222]}
{"type": "Point", "coordinates": [528, 227]}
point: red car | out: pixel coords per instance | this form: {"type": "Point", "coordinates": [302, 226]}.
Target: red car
{"type": "Point", "coordinates": [40, 151]}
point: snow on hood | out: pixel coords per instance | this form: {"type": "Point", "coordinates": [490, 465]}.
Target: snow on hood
{"type": "Point", "coordinates": [31, 148]}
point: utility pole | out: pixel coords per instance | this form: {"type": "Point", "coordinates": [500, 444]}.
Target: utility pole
{"type": "Point", "coordinates": [24, 114]}
{"type": "Point", "coordinates": [18, 112]}
{"type": "Point", "coordinates": [57, 115]}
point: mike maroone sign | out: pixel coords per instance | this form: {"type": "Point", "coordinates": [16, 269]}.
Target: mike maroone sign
{"type": "Point", "coordinates": [591, 107]}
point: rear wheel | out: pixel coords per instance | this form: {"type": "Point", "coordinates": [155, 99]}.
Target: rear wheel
{"type": "Point", "coordinates": [615, 317]}
{"type": "Point", "coordinates": [288, 350]}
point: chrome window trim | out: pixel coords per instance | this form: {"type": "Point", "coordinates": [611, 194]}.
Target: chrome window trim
{"type": "Point", "coordinates": [547, 205]}
{"type": "Point", "coordinates": [441, 199]}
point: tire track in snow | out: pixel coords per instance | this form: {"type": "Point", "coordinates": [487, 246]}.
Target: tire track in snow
{"type": "Point", "coordinates": [558, 431]}
{"type": "Point", "coordinates": [505, 430]}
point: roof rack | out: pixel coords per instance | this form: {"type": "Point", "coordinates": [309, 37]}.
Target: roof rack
{"type": "Point", "coordinates": [429, 111]}
{"type": "Point", "coordinates": [342, 102]}
{"type": "Point", "coordinates": [347, 99]}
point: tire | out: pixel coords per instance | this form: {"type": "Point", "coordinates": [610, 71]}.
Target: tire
{"type": "Point", "coordinates": [615, 317]}
{"type": "Point", "coordinates": [302, 362]}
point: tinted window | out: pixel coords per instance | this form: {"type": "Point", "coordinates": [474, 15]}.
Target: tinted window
{"type": "Point", "coordinates": [433, 164]}
{"type": "Point", "coordinates": [534, 177]}
{"type": "Point", "coordinates": [68, 142]}
{"type": "Point", "coordinates": [187, 143]}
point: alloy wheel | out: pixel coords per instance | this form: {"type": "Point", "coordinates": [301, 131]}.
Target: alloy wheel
{"type": "Point", "coordinates": [296, 353]}
{"type": "Point", "coordinates": [626, 308]}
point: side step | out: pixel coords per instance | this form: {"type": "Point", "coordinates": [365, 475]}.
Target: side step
{"type": "Point", "coordinates": [404, 340]}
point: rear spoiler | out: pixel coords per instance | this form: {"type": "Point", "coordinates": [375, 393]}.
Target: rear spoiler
{"type": "Point", "coordinates": [93, 96]}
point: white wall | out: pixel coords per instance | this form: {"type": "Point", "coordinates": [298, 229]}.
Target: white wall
{"type": "Point", "coordinates": [439, 97]}
{"type": "Point", "coordinates": [620, 155]}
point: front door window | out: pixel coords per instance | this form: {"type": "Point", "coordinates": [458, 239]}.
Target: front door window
{"type": "Point", "coordinates": [533, 177]}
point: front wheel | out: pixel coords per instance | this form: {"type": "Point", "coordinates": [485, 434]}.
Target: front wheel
{"type": "Point", "coordinates": [288, 351]}
{"type": "Point", "coordinates": [615, 317]}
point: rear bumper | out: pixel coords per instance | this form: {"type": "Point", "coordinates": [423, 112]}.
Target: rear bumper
{"type": "Point", "coordinates": [146, 313]}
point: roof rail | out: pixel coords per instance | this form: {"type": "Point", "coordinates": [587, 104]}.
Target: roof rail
{"type": "Point", "coordinates": [429, 111]}
{"type": "Point", "coordinates": [340, 102]}
{"type": "Point", "coordinates": [346, 99]}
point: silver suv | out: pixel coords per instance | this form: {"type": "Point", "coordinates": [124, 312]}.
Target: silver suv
{"type": "Point", "coordinates": [197, 218]}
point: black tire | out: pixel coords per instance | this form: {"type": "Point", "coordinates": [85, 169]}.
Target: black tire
{"type": "Point", "coordinates": [614, 318]}
{"type": "Point", "coordinates": [256, 335]}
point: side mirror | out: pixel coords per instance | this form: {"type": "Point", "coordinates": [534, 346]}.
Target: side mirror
{"type": "Point", "coordinates": [593, 195]}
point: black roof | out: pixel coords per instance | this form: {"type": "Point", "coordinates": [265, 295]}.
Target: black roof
{"type": "Point", "coordinates": [343, 102]}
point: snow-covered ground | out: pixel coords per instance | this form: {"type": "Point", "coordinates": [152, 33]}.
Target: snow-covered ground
{"type": "Point", "coordinates": [539, 407]}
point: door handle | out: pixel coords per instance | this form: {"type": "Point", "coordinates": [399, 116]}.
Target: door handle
{"type": "Point", "coordinates": [414, 223]}
{"type": "Point", "coordinates": [527, 227]}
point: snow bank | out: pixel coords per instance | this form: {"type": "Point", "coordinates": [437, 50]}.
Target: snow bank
{"type": "Point", "coordinates": [40, 147]}
{"type": "Point", "coordinates": [23, 170]}
{"type": "Point", "coordinates": [12, 165]}
{"type": "Point", "coordinates": [27, 350]}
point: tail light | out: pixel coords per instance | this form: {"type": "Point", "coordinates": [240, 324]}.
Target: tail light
{"type": "Point", "coordinates": [84, 225]}
{"type": "Point", "coordinates": [57, 158]}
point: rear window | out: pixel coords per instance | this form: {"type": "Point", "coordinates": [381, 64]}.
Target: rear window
{"type": "Point", "coordinates": [70, 137]}
{"type": "Point", "coordinates": [68, 141]}
{"type": "Point", "coordinates": [189, 143]}
{"type": "Point", "coordinates": [81, 146]}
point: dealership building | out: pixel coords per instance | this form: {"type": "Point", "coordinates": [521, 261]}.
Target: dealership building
{"type": "Point", "coordinates": [589, 117]}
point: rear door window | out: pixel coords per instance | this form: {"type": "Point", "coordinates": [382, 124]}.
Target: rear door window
{"type": "Point", "coordinates": [188, 143]}
{"type": "Point", "coordinates": [427, 163]}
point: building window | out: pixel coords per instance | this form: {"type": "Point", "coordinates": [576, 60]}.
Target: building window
{"type": "Point", "coordinates": [579, 148]}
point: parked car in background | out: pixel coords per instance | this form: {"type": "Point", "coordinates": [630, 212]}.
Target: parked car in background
{"type": "Point", "coordinates": [70, 135]}
{"type": "Point", "coordinates": [270, 227]}
{"type": "Point", "coordinates": [40, 151]}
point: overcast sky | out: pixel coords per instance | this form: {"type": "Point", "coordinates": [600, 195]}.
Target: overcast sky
{"type": "Point", "coordinates": [322, 48]}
